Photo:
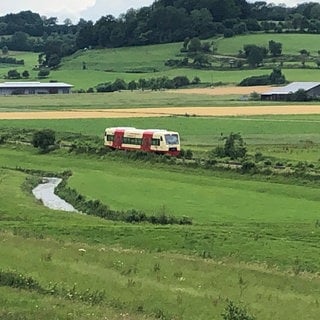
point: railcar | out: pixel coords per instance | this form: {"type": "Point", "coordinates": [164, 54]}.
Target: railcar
{"type": "Point", "coordinates": [149, 140]}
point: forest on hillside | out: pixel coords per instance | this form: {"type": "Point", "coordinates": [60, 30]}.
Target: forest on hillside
{"type": "Point", "coordinates": [163, 22]}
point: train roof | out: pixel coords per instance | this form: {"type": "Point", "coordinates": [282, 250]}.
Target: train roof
{"type": "Point", "coordinates": [132, 129]}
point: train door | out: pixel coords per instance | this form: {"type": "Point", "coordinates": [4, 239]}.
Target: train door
{"type": "Point", "coordinates": [146, 141]}
{"type": "Point", "coordinates": [118, 137]}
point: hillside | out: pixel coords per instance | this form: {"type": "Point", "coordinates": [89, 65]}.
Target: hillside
{"type": "Point", "coordinates": [134, 63]}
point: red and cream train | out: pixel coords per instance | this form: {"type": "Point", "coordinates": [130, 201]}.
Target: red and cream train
{"type": "Point", "coordinates": [149, 140]}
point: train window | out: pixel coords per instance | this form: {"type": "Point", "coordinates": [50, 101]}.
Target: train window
{"type": "Point", "coordinates": [171, 138]}
{"type": "Point", "coordinates": [155, 142]}
{"type": "Point", "coordinates": [110, 137]}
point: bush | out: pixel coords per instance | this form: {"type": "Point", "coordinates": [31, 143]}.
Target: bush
{"type": "Point", "coordinates": [13, 74]}
{"type": "Point", "coordinates": [256, 81]}
{"type": "Point", "coordinates": [43, 139]}
{"type": "Point", "coordinates": [181, 81]}
{"type": "Point", "coordinates": [275, 77]}
{"type": "Point", "coordinates": [233, 312]}
{"type": "Point", "coordinates": [248, 166]}
{"type": "Point", "coordinates": [43, 73]}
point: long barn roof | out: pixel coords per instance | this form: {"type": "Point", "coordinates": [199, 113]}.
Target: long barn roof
{"type": "Point", "coordinates": [35, 84]}
{"type": "Point", "coordinates": [293, 87]}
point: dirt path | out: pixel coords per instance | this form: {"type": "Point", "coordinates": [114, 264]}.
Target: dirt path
{"type": "Point", "coordinates": [162, 112]}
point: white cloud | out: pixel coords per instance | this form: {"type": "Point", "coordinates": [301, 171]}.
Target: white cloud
{"type": "Point", "coordinates": [57, 8]}
{"type": "Point", "coordinates": [102, 8]}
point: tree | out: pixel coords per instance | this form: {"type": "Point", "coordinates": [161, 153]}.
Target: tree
{"type": "Point", "coordinates": [275, 48]}
{"type": "Point", "coordinates": [234, 147]}
{"type": "Point", "coordinates": [276, 76]}
{"type": "Point", "coordinates": [119, 84]}
{"type": "Point", "coordinates": [194, 45]}
{"type": "Point", "coordinates": [25, 74]}
{"type": "Point", "coordinates": [201, 60]}
{"type": "Point", "coordinates": [254, 54]}
{"type": "Point", "coordinates": [20, 41]}
{"type": "Point", "coordinates": [13, 74]}
{"type": "Point", "coordinates": [5, 50]}
{"type": "Point", "coordinates": [43, 139]}
{"type": "Point", "coordinates": [132, 85]}
{"type": "Point", "coordinates": [43, 73]}
{"type": "Point", "coordinates": [54, 61]}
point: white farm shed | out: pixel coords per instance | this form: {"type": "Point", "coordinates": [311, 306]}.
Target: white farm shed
{"type": "Point", "coordinates": [10, 88]}
{"type": "Point", "coordinates": [281, 93]}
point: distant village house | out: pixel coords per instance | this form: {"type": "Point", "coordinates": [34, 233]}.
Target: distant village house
{"type": "Point", "coordinates": [11, 88]}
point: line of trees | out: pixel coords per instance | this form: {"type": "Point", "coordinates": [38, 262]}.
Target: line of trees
{"type": "Point", "coordinates": [163, 21]}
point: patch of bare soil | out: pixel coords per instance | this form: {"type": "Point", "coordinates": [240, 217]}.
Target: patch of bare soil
{"type": "Point", "coordinates": [162, 112]}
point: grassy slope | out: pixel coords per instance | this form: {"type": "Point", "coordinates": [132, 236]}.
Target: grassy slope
{"type": "Point", "coordinates": [110, 64]}
{"type": "Point", "coordinates": [291, 43]}
{"type": "Point", "coordinates": [150, 281]}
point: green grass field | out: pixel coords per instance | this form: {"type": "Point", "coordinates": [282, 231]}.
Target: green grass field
{"type": "Point", "coordinates": [258, 236]}
{"type": "Point", "coordinates": [123, 100]}
{"type": "Point", "coordinates": [291, 43]}
{"type": "Point", "coordinates": [254, 239]}
{"type": "Point", "coordinates": [130, 63]}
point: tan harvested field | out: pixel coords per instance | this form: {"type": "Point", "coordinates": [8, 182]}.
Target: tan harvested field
{"type": "Point", "coordinates": [220, 91]}
{"type": "Point", "coordinates": [162, 112]}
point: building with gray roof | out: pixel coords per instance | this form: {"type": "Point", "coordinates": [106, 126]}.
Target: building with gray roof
{"type": "Point", "coordinates": [10, 88]}
{"type": "Point", "coordinates": [312, 90]}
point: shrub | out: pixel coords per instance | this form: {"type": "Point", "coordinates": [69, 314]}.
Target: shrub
{"type": "Point", "coordinates": [256, 81]}
{"type": "Point", "coordinates": [43, 73]}
{"type": "Point", "coordinates": [233, 312]}
{"type": "Point", "coordinates": [13, 74]}
{"type": "Point", "coordinates": [234, 146]}
{"type": "Point", "coordinates": [254, 96]}
{"type": "Point", "coordinates": [17, 280]}
{"type": "Point", "coordinates": [181, 81]}
{"type": "Point", "coordinates": [43, 139]}
{"type": "Point", "coordinates": [248, 166]}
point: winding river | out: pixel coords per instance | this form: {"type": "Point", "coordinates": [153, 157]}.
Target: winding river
{"type": "Point", "coordinates": [45, 192]}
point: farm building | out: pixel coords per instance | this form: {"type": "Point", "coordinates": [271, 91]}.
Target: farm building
{"type": "Point", "coordinates": [9, 88]}
{"type": "Point", "coordinates": [312, 90]}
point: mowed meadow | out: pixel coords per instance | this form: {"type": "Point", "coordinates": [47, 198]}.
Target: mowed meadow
{"type": "Point", "coordinates": [254, 241]}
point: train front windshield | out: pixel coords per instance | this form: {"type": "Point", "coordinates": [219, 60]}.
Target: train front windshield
{"type": "Point", "coordinates": [171, 139]}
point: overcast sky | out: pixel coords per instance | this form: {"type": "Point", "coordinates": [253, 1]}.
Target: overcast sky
{"type": "Point", "coordinates": [89, 9]}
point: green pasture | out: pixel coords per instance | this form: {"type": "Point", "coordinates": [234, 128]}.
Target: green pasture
{"type": "Point", "coordinates": [133, 63]}
{"type": "Point", "coordinates": [291, 43]}
{"type": "Point", "coordinates": [129, 59]}
{"type": "Point", "coordinates": [250, 241]}
{"type": "Point", "coordinates": [287, 137]}
{"type": "Point", "coordinates": [254, 239]}
{"type": "Point", "coordinates": [123, 100]}
{"type": "Point", "coordinates": [258, 236]}
{"type": "Point", "coordinates": [84, 79]}
{"type": "Point", "coordinates": [201, 195]}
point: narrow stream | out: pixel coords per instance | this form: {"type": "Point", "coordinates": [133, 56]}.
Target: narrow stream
{"type": "Point", "coordinates": [45, 192]}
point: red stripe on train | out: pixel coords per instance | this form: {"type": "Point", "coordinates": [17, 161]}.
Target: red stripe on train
{"type": "Point", "coordinates": [118, 137]}
{"type": "Point", "coordinates": [146, 141]}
